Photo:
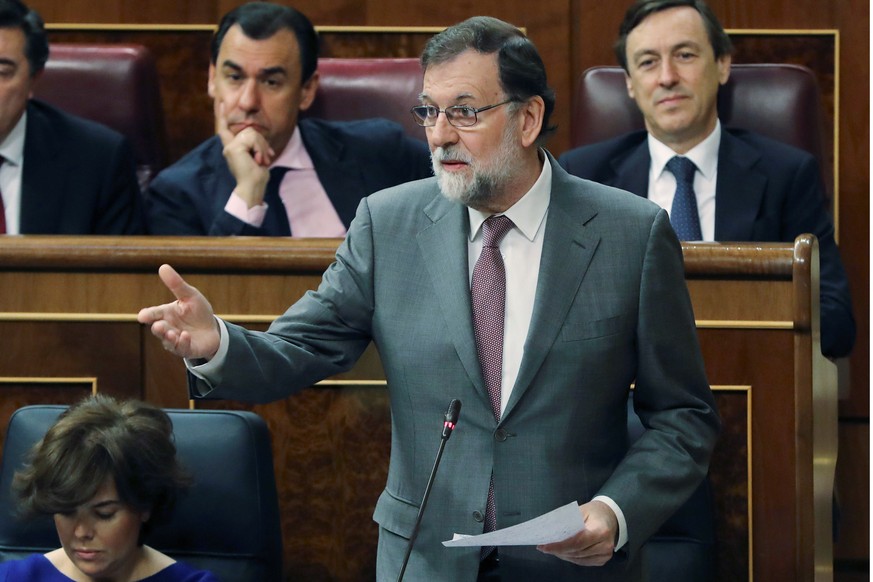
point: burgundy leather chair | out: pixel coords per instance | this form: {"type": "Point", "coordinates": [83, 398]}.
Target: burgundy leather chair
{"type": "Point", "coordinates": [360, 88]}
{"type": "Point", "coordinates": [780, 101]}
{"type": "Point", "coordinates": [116, 85]}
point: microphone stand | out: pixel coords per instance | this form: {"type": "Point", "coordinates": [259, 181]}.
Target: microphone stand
{"type": "Point", "coordinates": [451, 419]}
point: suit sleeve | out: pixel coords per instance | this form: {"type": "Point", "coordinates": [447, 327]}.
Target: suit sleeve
{"type": "Point", "coordinates": [416, 159]}
{"type": "Point", "coordinates": [672, 397]}
{"type": "Point", "coordinates": [170, 210]}
{"type": "Point", "coordinates": [806, 212]}
{"type": "Point", "coordinates": [120, 210]}
{"type": "Point", "coordinates": [176, 207]}
{"type": "Point", "coordinates": [321, 335]}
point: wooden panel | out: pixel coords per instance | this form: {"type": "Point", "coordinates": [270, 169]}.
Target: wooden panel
{"type": "Point", "coordinates": [76, 298]}
{"type": "Point", "coordinates": [852, 17]}
{"type": "Point", "coordinates": [106, 352]}
{"type": "Point", "coordinates": [817, 51]}
{"type": "Point", "coordinates": [16, 392]}
{"type": "Point", "coordinates": [853, 492]}
{"type": "Point", "coordinates": [730, 485]}
{"type": "Point", "coordinates": [330, 450]}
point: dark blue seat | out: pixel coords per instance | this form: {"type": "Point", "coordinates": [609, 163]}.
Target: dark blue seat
{"type": "Point", "coordinates": [228, 522]}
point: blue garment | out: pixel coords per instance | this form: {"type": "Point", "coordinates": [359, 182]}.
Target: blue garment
{"type": "Point", "coordinates": [766, 191]}
{"type": "Point", "coordinates": [37, 568]}
{"type": "Point", "coordinates": [79, 177]}
{"type": "Point", "coordinates": [352, 159]}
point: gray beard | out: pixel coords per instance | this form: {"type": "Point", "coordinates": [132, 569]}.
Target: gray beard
{"type": "Point", "coordinates": [475, 191]}
{"type": "Point", "coordinates": [486, 184]}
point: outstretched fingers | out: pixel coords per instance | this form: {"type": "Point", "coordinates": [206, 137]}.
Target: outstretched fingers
{"type": "Point", "coordinates": [187, 326]}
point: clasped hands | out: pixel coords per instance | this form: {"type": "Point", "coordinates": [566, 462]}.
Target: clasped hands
{"type": "Point", "coordinates": [248, 156]}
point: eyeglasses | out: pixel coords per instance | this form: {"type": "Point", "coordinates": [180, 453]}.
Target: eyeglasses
{"type": "Point", "coordinates": [457, 115]}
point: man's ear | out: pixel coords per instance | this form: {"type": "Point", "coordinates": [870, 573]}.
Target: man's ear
{"type": "Point", "coordinates": [210, 84]}
{"type": "Point", "coordinates": [724, 69]}
{"type": "Point", "coordinates": [308, 91]}
{"type": "Point", "coordinates": [532, 112]}
{"type": "Point", "coordinates": [33, 80]}
{"type": "Point", "coordinates": [629, 85]}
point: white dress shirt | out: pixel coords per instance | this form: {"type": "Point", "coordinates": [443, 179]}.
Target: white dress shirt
{"type": "Point", "coordinates": [12, 150]}
{"type": "Point", "coordinates": [662, 182]}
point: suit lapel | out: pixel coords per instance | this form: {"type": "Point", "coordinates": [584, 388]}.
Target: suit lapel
{"type": "Point", "coordinates": [344, 180]}
{"type": "Point", "coordinates": [43, 179]}
{"type": "Point", "coordinates": [739, 189]}
{"type": "Point", "coordinates": [627, 173]}
{"type": "Point", "coordinates": [441, 244]}
{"type": "Point", "coordinates": [215, 176]}
{"type": "Point", "coordinates": [565, 243]}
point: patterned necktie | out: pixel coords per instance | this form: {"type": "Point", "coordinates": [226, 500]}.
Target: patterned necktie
{"type": "Point", "coordinates": [683, 215]}
{"type": "Point", "coordinates": [488, 291]}
{"type": "Point", "coordinates": [276, 220]}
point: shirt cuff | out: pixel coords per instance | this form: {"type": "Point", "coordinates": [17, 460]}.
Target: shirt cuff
{"type": "Point", "coordinates": [238, 208]}
{"type": "Point", "coordinates": [619, 516]}
{"type": "Point", "coordinates": [210, 371]}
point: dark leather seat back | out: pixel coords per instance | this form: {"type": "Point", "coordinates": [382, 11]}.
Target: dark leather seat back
{"type": "Point", "coordinates": [116, 85]}
{"type": "Point", "coordinates": [228, 522]}
{"type": "Point", "coordinates": [779, 101]}
{"type": "Point", "coordinates": [368, 87]}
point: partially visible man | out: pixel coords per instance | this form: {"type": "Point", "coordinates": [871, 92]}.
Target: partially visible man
{"type": "Point", "coordinates": [745, 187]}
{"type": "Point", "coordinates": [263, 74]}
{"type": "Point", "coordinates": [60, 174]}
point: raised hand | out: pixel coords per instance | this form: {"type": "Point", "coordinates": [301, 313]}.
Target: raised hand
{"type": "Point", "coordinates": [248, 157]}
{"type": "Point", "coordinates": [187, 326]}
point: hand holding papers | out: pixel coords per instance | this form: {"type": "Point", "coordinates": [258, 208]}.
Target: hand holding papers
{"type": "Point", "coordinates": [554, 526]}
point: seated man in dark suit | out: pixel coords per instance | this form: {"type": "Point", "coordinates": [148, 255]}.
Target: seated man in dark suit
{"type": "Point", "coordinates": [263, 73]}
{"type": "Point", "coordinates": [60, 174]}
{"type": "Point", "coordinates": [742, 186]}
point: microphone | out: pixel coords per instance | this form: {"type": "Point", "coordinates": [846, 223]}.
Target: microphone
{"type": "Point", "coordinates": [451, 419]}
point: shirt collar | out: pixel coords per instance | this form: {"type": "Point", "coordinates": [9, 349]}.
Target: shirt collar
{"type": "Point", "coordinates": [294, 155]}
{"type": "Point", "coordinates": [527, 214]}
{"type": "Point", "coordinates": [12, 148]}
{"type": "Point", "coordinates": [704, 155]}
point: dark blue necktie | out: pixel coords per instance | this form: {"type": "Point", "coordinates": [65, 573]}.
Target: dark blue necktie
{"type": "Point", "coordinates": [276, 218]}
{"type": "Point", "coordinates": [683, 215]}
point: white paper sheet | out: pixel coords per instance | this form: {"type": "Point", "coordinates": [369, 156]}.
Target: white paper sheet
{"type": "Point", "coordinates": [554, 526]}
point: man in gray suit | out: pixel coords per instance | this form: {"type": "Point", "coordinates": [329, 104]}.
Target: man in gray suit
{"type": "Point", "coordinates": [590, 297]}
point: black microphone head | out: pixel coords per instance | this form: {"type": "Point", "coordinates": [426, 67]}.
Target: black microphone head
{"type": "Point", "coordinates": [451, 418]}
{"type": "Point", "coordinates": [453, 411]}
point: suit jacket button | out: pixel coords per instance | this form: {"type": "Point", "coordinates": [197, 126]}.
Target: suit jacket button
{"type": "Point", "coordinates": [478, 516]}
{"type": "Point", "coordinates": [500, 435]}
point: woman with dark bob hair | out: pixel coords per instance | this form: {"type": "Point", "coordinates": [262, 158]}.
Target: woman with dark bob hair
{"type": "Point", "coordinates": [107, 472]}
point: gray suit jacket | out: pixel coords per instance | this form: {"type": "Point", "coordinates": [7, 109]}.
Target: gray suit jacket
{"type": "Point", "coordinates": [611, 309]}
